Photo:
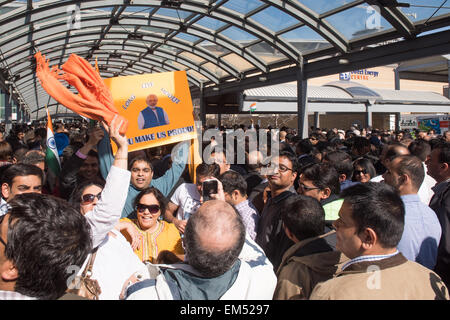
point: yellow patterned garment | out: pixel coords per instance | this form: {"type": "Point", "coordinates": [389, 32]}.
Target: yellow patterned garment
{"type": "Point", "coordinates": [165, 237]}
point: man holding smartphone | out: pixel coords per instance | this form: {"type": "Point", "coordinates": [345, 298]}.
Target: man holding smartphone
{"type": "Point", "coordinates": [186, 198]}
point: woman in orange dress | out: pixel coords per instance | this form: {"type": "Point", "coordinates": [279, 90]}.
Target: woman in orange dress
{"type": "Point", "coordinates": [156, 235]}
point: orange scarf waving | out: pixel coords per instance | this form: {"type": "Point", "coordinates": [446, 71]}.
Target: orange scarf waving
{"type": "Point", "coordinates": [94, 100]}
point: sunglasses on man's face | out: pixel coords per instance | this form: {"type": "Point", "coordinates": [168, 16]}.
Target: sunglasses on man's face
{"type": "Point", "coordinates": [153, 208]}
{"type": "Point", "coordinates": [360, 172]}
{"type": "Point", "coordinates": [89, 198]}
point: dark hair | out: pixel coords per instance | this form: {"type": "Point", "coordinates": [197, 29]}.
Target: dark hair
{"type": "Point", "coordinates": [75, 197]}
{"type": "Point", "coordinates": [6, 151]}
{"type": "Point", "coordinates": [46, 237]}
{"type": "Point", "coordinates": [367, 165]}
{"type": "Point", "coordinates": [377, 206]}
{"type": "Point", "coordinates": [33, 157]}
{"type": "Point", "coordinates": [292, 158]}
{"type": "Point", "coordinates": [140, 158]}
{"type": "Point", "coordinates": [20, 153]}
{"type": "Point", "coordinates": [393, 150]}
{"type": "Point", "coordinates": [303, 216]}
{"type": "Point", "coordinates": [444, 152]}
{"type": "Point", "coordinates": [413, 167]}
{"type": "Point", "coordinates": [21, 170]}
{"type": "Point", "coordinates": [305, 146]}
{"type": "Point", "coordinates": [341, 161]}
{"type": "Point", "coordinates": [212, 263]}
{"type": "Point", "coordinates": [420, 148]}
{"type": "Point", "coordinates": [323, 175]}
{"type": "Point", "coordinates": [207, 170]}
{"type": "Point", "coordinates": [361, 145]}
{"type": "Point", "coordinates": [158, 195]}
{"type": "Point", "coordinates": [233, 181]}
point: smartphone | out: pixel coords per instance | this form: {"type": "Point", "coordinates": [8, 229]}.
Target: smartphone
{"type": "Point", "coordinates": [209, 187]}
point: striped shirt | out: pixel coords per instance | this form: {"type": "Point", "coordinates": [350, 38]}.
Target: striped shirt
{"type": "Point", "coordinates": [368, 258]}
{"type": "Point", "coordinates": [249, 216]}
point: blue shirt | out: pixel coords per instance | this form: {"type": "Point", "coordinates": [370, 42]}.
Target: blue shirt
{"type": "Point", "coordinates": [422, 232]}
{"type": "Point", "coordinates": [163, 184]}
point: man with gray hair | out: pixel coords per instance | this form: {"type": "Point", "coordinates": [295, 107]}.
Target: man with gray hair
{"type": "Point", "coordinates": [217, 265]}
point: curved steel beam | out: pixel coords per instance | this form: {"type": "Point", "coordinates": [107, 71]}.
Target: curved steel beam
{"type": "Point", "coordinates": [23, 54]}
{"type": "Point", "coordinates": [52, 55]}
{"type": "Point", "coordinates": [37, 15]}
{"type": "Point", "coordinates": [312, 20]}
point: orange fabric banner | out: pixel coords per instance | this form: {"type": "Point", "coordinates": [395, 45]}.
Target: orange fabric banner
{"type": "Point", "coordinates": [94, 100]}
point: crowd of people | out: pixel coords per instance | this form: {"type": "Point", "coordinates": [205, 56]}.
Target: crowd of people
{"type": "Point", "coordinates": [354, 214]}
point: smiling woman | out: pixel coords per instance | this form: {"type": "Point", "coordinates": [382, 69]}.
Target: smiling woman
{"type": "Point", "coordinates": [157, 235]}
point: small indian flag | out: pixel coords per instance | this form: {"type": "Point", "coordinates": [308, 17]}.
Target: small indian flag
{"type": "Point", "coordinates": [253, 107]}
{"type": "Point", "coordinates": [51, 155]}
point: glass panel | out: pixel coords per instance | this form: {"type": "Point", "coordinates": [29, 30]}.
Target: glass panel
{"type": "Point", "coordinates": [235, 33]}
{"type": "Point", "coordinates": [197, 76]}
{"type": "Point", "coordinates": [243, 6]}
{"type": "Point", "coordinates": [187, 37]}
{"type": "Point", "coordinates": [423, 9]}
{"type": "Point", "coordinates": [210, 23]}
{"type": "Point", "coordinates": [154, 30]}
{"type": "Point", "coordinates": [215, 49]}
{"type": "Point", "coordinates": [305, 39]}
{"type": "Point", "coordinates": [173, 13]}
{"type": "Point", "coordinates": [322, 6]}
{"type": "Point", "coordinates": [177, 65]}
{"type": "Point", "coordinates": [130, 10]}
{"type": "Point", "coordinates": [219, 72]}
{"type": "Point", "coordinates": [274, 19]}
{"type": "Point", "coordinates": [358, 22]}
{"type": "Point", "coordinates": [266, 52]}
{"type": "Point", "coordinates": [192, 57]}
{"type": "Point", "coordinates": [238, 62]}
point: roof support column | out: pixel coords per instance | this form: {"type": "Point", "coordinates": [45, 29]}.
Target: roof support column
{"type": "Point", "coordinates": [448, 75]}
{"type": "Point", "coordinates": [202, 107]}
{"type": "Point", "coordinates": [397, 87]}
{"type": "Point", "coordinates": [302, 112]}
{"type": "Point", "coordinates": [7, 111]}
{"type": "Point", "coordinates": [316, 120]}
{"type": "Point", "coordinates": [368, 115]}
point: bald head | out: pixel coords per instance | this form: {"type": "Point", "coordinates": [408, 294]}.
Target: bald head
{"type": "Point", "coordinates": [392, 151]}
{"type": "Point", "coordinates": [214, 238]}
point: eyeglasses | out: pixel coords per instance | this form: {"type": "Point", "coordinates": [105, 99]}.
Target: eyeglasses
{"type": "Point", "coordinates": [360, 171]}
{"type": "Point", "coordinates": [153, 208]}
{"type": "Point", "coordinates": [281, 168]}
{"type": "Point", "coordinates": [306, 188]}
{"type": "Point", "coordinates": [89, 198]}
{"type": "Point", "coordinates": [1, 240]}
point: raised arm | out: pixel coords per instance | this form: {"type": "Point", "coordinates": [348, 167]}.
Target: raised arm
{"type": "Point", "coordinates": [70, 169]}
{"type": "Point", "coordinates": [106, 213]}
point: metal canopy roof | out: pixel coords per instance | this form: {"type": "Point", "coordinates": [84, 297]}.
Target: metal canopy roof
{"type": "Point", "coordinates": [222, 44]}
{"type": "Point", "coordinates": [434, 68]}
{"type": "Point", "coordinates": [326, 98]}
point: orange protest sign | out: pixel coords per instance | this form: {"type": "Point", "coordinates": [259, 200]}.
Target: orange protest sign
{"type": "Point", "coordinates": [158, 108]}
